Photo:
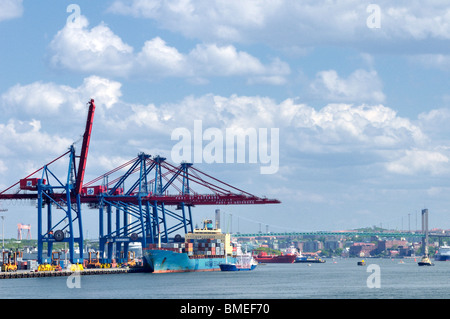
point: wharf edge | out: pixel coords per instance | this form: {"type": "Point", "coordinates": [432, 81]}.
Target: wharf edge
{"type": "Point", "coordinates": [63, 273]}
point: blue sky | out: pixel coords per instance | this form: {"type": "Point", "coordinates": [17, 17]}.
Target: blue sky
{"type": "Point", "coordinates": [362, 112]}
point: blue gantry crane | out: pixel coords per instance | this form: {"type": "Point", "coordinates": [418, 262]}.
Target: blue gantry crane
{"type": "Point", "coordinates": [145, 200]}
{"type": "Point", "coordinates": [63, 194]}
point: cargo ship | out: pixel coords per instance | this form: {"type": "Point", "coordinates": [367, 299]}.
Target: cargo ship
{"type": "Point", "coordinates": [204, 249]}
{"type": "Point", "coordinates": [264, 258]}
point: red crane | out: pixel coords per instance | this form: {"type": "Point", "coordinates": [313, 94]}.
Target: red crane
{"type": "Point", "coordinates": [85, 148]}
{"type": "Point", "coordinates": [21, 227]}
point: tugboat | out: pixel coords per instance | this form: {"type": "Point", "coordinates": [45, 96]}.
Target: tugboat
{"type": "Point", "coordinates": [425, 261]}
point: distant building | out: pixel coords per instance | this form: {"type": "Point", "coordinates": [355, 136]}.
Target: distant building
{"type": "Point", "coordinates": [332, 244]}
{"type": "Point", "coordinates": [312, 246]}
{"type": "Point", "coordinates": [393, 253]}
{"type": "Point", "coordinates": [362, 249]}
{"type": "Point", "coordinates": [389, 244]}
{"type": "Point", "coordinates": [395, 248]}
{"type": "Point", "coordinates": [406, 251]}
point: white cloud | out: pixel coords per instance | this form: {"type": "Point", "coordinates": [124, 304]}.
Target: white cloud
{"type": "Point", "coordinates": [210, 20]}
{"type": "Point", "coordinates": [50, 99]}
{"type": "Point", "coordinates": [77, 48]}
{"type": "Point", "coordinates": [41, 120]}
{"type": "Point", "coordinates": [80, 49]}
{"type": "Point", "coordinates": [10, 9]}
{"type": "Point", "coordinates": [158, 58]}
{"type": "Point", "coordinates": [418, 20]}
{"type": "Point", "coordinates": [361, 85]}
{"type": "Point", "coordinates": [36, 98]}
{"type": "Point", "coordinates": [334, 128]}
{"type": "Point", "coordinates": [435, 61]}
{"type": "Point", "coordinates": [212, 60]}
{"type": "Point", "coordinates": [394, 142]}
{"type": "Point", "coordinates": [417, 161]}
{"type": "Point", "coordinates": [31, 139]}
{"type": "Point", "coordinates": [294, 23]}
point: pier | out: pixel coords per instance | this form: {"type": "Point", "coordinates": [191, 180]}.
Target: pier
{"type": "Point", "coordinates": [66, 273]}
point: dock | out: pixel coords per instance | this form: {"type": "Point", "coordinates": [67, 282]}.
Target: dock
{"type": "Point", "coordinates": [62, 273]}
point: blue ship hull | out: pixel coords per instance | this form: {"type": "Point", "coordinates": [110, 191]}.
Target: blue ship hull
{"type": "Point", "coordinates": [166, 261]}
{"type": "Point", "coordinates": [233, 267]}
{"type": "Point", "coordinates": [442, 258]}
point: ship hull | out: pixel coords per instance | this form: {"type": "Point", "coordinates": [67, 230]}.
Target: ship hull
{"type": "Point", "coordinates": [283, 259]}
{"type": "Point", "coordinates": [165, 261]}
{"type": "Point", "coordinates": [310, 260]}
{"type": "Point", "coordinates": [233, 267]}
{"type": "Point", "coordinates": [442, 258]}
{"type": "Point", "coordinates": [443, 254]}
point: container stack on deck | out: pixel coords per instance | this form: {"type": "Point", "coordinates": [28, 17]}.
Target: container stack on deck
{"type": "Point", "coordinates": [196, 247]}
{"type": "Point", "coordinates": [207, 247]}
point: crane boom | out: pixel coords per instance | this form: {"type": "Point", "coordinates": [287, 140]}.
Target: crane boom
{"type": "Point", "coordinates": [85, 147]}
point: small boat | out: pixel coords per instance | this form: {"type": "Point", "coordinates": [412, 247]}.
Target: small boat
{"type": "Point", "coordinates": [308, 259]}
{"type": "Point", "coordinates": [361, 263]}
{"type": "Point", "coordinates": [244, 262]}
{"type": "Point", "coordinates": [425, 261]}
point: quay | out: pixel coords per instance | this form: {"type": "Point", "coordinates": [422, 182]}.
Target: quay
{"type": "Point", "coordinates": [61, 273]}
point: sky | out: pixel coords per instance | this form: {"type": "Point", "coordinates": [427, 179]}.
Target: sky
{"type": "Point", "coordinates": [357, 92]}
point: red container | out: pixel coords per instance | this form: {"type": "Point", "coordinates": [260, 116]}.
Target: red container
{"type": "Point", "coordinates": [30, 183]}
{"type": "Point", "coordinates": [93, 190]}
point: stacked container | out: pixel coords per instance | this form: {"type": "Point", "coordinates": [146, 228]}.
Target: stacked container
{"type": "Point", "coordinates": [195, 247]}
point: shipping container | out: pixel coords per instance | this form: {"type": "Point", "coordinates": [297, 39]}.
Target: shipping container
{"type": "Point", "coordinates": [30, 183]}
{"type": "Point", "coordinates": [94, 190]}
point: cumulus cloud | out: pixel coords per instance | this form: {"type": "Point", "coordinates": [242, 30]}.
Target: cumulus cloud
{"type": "Point", "coordinates": [337, 128]}
{"type": "Point", "coordinates": [46, 118]}
{"type": "Point", "coordinates": [42, 119]}
{"type": "Point", "coordinates": [384, 139]}
{"type": "Point", "coordinates": [31, 138]}
{"type": "Point", "coordinates": [160, 59]}
{"type": "Point", "coordinates": [361, 85]}
{"type": "Point", "coordinates": [80, 49]}
{"type": "Point", "coordinates": [418, 161]}
{"type": "Point", "coordinates": [333, 128]}
{"type": "Point", "coordinates": [50, 99]}
{"type": "Point", "coordinates": [294, 23]}
{"type": "Point", "coordinates": [10, 9]}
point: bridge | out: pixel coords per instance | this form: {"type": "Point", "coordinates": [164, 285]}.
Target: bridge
{"type": "Point", "coordinates": [336, 233]}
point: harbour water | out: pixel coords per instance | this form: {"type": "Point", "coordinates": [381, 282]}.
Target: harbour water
{"type": "Point", "coordinates": [337, 278]}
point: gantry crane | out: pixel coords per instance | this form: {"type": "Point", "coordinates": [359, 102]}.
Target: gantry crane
{"type": "Point", "coordinates": [51, 191]}
{"type": "Point", "coordinates": [146, 198]}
